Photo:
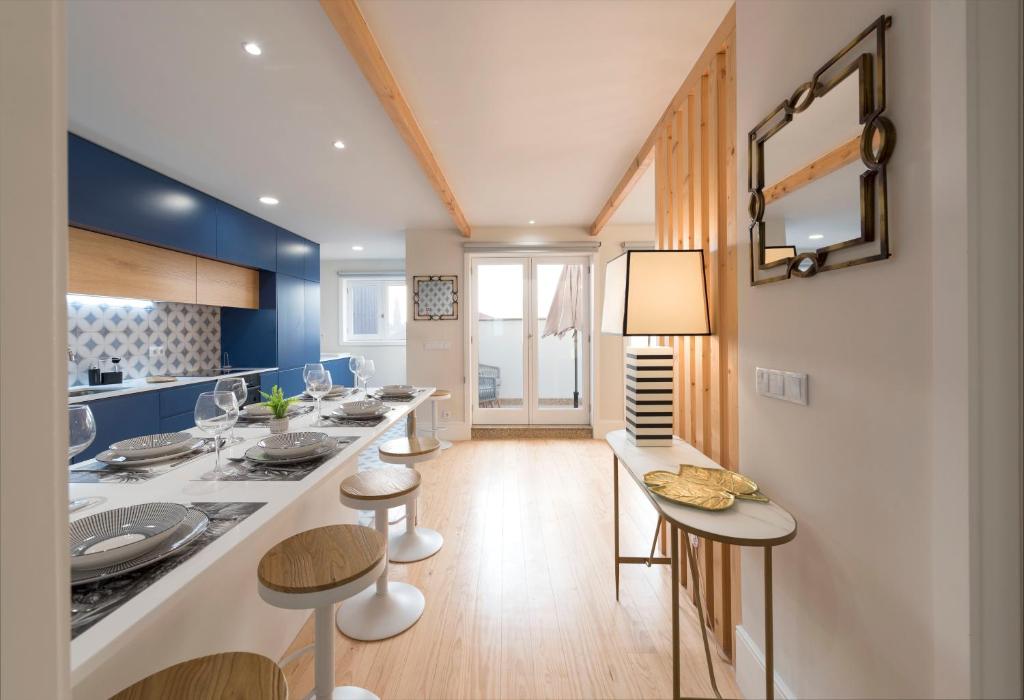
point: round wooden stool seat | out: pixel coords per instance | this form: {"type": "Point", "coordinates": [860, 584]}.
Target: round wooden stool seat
{"type": "Point", "coordinates": [236, 675]}
{"type": "Point", "coordinates": [321, 559]}
{"type": "Point", "coordinates": [441, 394]}
{"type": "Point", "coordinates": [380, 484]}
{"type": "Point", "coordinates": [409, 449]}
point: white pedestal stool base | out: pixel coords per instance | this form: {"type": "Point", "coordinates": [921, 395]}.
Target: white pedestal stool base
{"type": "Point", "coordinates": [368, 617]}
{"type": "Point", "coordinates": [420, 543]}
{"type": "Point", "coordinates": [445, 444]}
{"type": "Point", "coordinates": [347, 692]}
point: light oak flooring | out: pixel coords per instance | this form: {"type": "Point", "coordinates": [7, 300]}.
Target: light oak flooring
{"type": "Point", "coordinates": [521, 598]}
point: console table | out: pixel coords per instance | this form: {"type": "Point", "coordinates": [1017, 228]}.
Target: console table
{"type": "Point", "coordinates": [746, 523]}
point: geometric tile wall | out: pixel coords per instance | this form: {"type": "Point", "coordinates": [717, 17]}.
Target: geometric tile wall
{"type": "Point", "coordinates": [190, 334]}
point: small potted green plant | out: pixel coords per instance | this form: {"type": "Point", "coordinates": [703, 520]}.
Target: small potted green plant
{"type": "Point", "coordinates": [278, 406]}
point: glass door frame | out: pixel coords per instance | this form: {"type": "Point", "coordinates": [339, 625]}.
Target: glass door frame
{"type": "Point", "coordinates": [529, 412]}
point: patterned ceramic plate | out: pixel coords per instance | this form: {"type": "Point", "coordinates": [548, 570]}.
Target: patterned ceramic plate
{"type": "Point", "coordinates": [111, 457]}
{"type": "Point", "coordinates": [291, 444]}
{"type": "Point", "coordinates": [361, 409]}
{"type": "Point", "coordinates": [258, 455]}
{"type": "Point", "coordinates": [397, 390]}
{"type": "Point", "coordinates": [192, 526]}
{"type": "Point", "coordinates": [150, 445]}
{"type": "Point", "coordinates": [117, 535]}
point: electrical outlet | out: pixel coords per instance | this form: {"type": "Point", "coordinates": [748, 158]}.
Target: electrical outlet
{"type": "Point", "coordinates": [446, 414]}
{"type": "Point", "coordinates": [156, 351]}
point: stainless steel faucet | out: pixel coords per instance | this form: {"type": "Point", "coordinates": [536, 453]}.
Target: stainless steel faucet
{"type": "Point", "coordinates": [227, 361]}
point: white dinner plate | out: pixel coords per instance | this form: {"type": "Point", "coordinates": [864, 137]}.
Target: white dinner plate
{"type": "Point", "coordinates": [291, 444]}
{"type": "Point", "coordinates": [258, 455]}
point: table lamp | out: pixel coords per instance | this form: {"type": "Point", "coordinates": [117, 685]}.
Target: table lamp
{"type": "Point", "coordinates": [654, 292]}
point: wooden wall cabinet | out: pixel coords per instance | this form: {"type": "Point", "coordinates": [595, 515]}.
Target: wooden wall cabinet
{"type": "Point", "coordinates": [223, 284]}
{"type": "Point", "coordinates": [109, 266]}
{"type": "Point", "coordinates": [116, 267]}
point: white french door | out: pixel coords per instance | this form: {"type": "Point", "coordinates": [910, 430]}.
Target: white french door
{"type": "Point", "coordinates": [519, 375]}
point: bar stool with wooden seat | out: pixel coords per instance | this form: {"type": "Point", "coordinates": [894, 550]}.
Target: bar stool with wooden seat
{"type": "Point", "coordinates": [236, 675]}
{"type": "Point", "coordinates": [391, 607]}
{"type": "Point", "coordinates": [435, 426]}
{"type": "Point", "coordinates": [416, 543]}
{"type": "Point", "coordinates": [314, 570]}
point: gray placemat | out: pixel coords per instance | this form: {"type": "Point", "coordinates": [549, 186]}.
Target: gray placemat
{"type": "Point", "coordinates": [94, 601]}
{"type": "Point", "coordinates": [395, 399]}
{"type": "Point", "coordinates": [93, 472]}
{"type": "Point", "coordinates": [244, 422]}
{"type": "Point", "coordinates": [292, 472]}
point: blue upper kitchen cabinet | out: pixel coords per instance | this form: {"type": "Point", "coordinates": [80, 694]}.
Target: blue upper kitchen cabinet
{"type": "Point", "coordinates": [312, 263]}
{"type": "Point", "coordinates": [298, 256]}
{"type": "Point", "coordinates": [111, 194]}
{"type": "Point", "coordinates": [245, 239]}
{"type": "Point", "coordinates": [311, 322]}
{"type": "Point", "coordinates": [291, 324]}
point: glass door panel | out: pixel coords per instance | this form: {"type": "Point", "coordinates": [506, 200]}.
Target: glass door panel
{"type": "Point", "coordinates": [500, 341]}
{"type": "Point", "coordinates": [561, 333]}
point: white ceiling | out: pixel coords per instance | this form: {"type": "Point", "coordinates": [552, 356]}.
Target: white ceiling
{"type": "Point", "coordinates": [534, 109]}
{"type": "Point", "coordinates": [168, 84]}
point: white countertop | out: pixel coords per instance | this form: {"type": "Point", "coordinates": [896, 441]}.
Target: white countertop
{"type": "Point", "coordinates": [170, 620]}
{"type": "Point", "coordinates": [138, 386]}
{"type": "Point", "coordinates": [324, 356]}
{"type": "Point", "coordinates": [745, 522]}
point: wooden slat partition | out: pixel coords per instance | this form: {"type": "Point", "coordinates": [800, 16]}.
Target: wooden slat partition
{"type": "Point", "coordinates": [695, 205]}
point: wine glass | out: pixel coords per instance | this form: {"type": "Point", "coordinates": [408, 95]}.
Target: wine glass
{"type": "Point", "coordinates": [81, 433]}
{"type": "Point", "coordinates": [368, 370]}
{"type": "Point", "coordinates": [355, 365]}
{"type": "Point", "coordinates": [311, 367]}
{"type": "Point", "coordinates": [216, 411]}
{"type": "Point", "coordinates": [318, 384]}
{"type": "Point", "coordinates": [235, 386]}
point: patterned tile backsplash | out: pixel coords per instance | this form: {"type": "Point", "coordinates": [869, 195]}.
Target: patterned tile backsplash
{"type": "Point", "coordinates": [189, 333]}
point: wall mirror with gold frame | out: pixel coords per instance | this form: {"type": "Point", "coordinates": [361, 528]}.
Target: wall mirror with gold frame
{"type": "Point", "coordinates": [817, 169]}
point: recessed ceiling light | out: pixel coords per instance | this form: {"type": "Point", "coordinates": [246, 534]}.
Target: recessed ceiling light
{"type": "Point", "coordinates": [339, 144]}
{"type": "Point", "coordinates": [252, 48]}
{"type": "Point", "coordinates": [531, 222]}
{"type": "Point", "coordinates": [816, 236]}
{"type": "Point", "coordinates": [357, 247]}
{"type": "Point", "coordinates": [267, 199]}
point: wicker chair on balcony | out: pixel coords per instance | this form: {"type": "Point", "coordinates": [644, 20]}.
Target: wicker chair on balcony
{"type": "Point", "coordinates": [489, 379]}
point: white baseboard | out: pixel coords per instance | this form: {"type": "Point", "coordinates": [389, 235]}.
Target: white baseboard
{"type": "Point", "coordinates": [750, 669]}
{"type": "Point", "coordinates": [457, 431]}
{"type": "Point", "coordinates": [603, 427]}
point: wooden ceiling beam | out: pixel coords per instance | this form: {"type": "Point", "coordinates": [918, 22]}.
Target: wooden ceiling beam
{"type": "Point", "coordinates": [722, 37]}
{"type": "Point", "coordinates": [351, 26]}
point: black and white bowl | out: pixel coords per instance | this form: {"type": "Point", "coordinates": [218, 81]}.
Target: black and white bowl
{"type": "Point", "coordinates": [291, 444]}
{"type": "Point", "coordinates": [146, 446]}
{"type": "Point", "coordinates": [116, 535]}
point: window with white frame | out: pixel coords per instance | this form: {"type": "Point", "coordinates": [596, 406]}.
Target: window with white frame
{"type": "Point", "coordinates": [373, 310]}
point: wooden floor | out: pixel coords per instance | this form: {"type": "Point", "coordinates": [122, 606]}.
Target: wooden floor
{"type": "Point", "coordinates": [521, 598]}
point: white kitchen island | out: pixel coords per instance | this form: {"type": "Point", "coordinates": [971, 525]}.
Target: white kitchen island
{"type": "Point", "coordinates": [209, 603]}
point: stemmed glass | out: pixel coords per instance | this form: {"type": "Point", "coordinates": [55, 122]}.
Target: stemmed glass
{"type": "Point", "coordinates": [237, 387]}
{"type": "Point", "coordinates": [81, 433]}
{"type": "Point", "coordinates": [311, 367]}
{"type": "Point", "coordinates": [318, 384]}
{"type": "Point", "coordinates": [216, 412]}
{"type": "Point", "coordinates": [368, 370]}
{"type": "Point", "coordinates": [355, 365]}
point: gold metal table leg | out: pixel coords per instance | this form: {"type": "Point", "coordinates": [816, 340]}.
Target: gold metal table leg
{"type": "Point", "coordinates": [700, 613]}
{"type": "Point", "coordinates": [769, 633]}
{"type": "Point", "coordinates": [676, 691]}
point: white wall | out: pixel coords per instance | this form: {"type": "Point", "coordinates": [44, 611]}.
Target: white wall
{"type": "Point", "coordinates": [388, 359]}
{"type": "Point", "coordinates": [34, 568]}
{"type": "Point", "coordinates": [876, 595]}
{"type": "Point", "coordinates": [435, 252]}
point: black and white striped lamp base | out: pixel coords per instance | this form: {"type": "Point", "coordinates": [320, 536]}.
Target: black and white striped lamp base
{"type": "Point", "coordinates": [650, 397]}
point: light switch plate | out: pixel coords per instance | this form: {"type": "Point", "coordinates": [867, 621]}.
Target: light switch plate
{"type": "Point", "coordinates": [779, 384]}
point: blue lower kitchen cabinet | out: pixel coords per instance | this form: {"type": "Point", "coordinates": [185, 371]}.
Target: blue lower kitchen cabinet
{"type": "Point", "coordinates": [122, 417]}
{"type": "Point", "coordinates": [340, 373]}
{"type": "Point", "coordinates": [267, 382]}
{"type": "Point", "coordinates": [291, 382]}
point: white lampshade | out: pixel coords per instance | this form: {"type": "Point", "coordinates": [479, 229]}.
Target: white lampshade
{"type": "Point", "coordinates": [656, 292]}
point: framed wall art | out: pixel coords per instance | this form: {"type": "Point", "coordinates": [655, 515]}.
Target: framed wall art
{"type": "Point", "coordinates": [435, 298]}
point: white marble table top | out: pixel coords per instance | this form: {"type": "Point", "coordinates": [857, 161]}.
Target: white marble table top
{"type": "Point", "coordinates": [100, 643]}
{"type": "Point", "coordinates": [745, 523]}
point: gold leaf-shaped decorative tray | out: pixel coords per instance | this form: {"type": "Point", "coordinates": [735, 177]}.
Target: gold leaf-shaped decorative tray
{"type": "Point", "coordinates": [708, 489]}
